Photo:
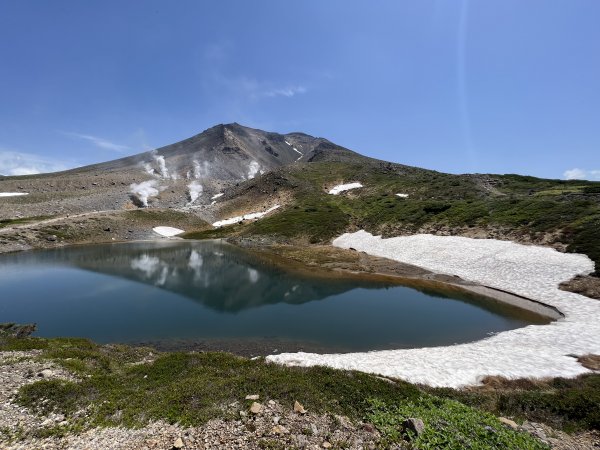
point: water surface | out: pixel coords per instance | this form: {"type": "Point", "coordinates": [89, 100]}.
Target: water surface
{"type": "Point", "coordinates": [203, 291]}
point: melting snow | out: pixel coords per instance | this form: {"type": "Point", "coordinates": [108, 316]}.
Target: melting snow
{"type": "Point", "coordinates": [12, 194]}
{"type": "Point", "coordinates": [344, 187]}
{"type": "Point", "coordinates": [402, 195]}
{"type": "Point", "coordinates": [299, 152]}
{"type": "Point", "coordinates": [250, 216]}
{"type": "Point", "coordinates": [167, 231]}
{"type": "Point", "coordinates": [535, 351]}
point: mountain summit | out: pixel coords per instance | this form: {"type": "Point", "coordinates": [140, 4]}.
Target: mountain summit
{"type": "Point", "coordinates": [228, 153]}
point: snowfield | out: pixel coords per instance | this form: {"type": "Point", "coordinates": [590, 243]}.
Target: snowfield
{"type": "Point", "coordinates": [344, 187]}
{"type": "Point", "coordinates": [250, 216]}
{"type": "Point", "coordinates": [13, 194]}
{"type": "Point", "coordinates": [167, 231]}
{"type": "Point", "coordinates": [535, 351]}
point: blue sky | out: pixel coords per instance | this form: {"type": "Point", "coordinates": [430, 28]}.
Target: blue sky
{"type": "Point", "coordinates": [500, 86]}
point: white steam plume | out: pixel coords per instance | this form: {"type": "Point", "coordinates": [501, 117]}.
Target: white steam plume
{"type": "Point", "coordinates": [148, 168]}
{"type": "Point", "coordinates": [253, 169]}
{"type": "Point", "coordinates": [162, 166]}
{"type": "Point", "coordinates": [201, 170]}
{"type": "Point", "coordinates": [195, 190]}
{"type": "Point", "coordinates": [144, 190]}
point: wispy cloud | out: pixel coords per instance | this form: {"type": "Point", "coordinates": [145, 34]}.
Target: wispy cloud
{"type": "Point", "coordinates": [581, 174]}
{"type": "Point", "coordinates": [19, 163]}
{"type": "Point", "coordinates": [98, 141]}
{"type": "Point", "coordinates": [252, 89]}
{"type": "Point", "coordinates": [214, 71]}
{"type": "Point", "coordinates": [285, 92]}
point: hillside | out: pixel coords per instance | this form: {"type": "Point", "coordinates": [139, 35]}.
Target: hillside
{"type": "Point", "coordinates": [231, 170]}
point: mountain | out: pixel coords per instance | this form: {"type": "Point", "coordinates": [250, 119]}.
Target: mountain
{"type": "Point", "coordinates": [227, 153]}
{"type": "Point", "coordinates": [230, 170]}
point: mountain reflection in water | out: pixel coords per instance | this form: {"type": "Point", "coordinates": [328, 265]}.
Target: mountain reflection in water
{"type": "Point", "coordinates": [142, 291]}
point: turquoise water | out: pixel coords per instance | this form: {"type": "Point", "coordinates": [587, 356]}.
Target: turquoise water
{"type": "Point", "coordinates": [190, 290]}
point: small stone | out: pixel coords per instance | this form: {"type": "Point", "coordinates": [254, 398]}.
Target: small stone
{"type": "Point", "coordinates": [178, 443]}
{"type": "Point", "coordinates": [252, 397]}
{"type": "Point", "coordinates": [299, 408]}
{"type": "Point", "coordinates": [326, 445]}
{"type": "Point", "coordinates": [415, 425]}
{"type": "Point", "coordinates": [509, 423]}
{"type": "Point", "coordinates": [107, 229]}
{"type": "Point", "coordinates": [278, 429]}
{"type": "Point", "coordinates": [46, 373]}
{"type": "Point", "coordinates": [276, 420]}
{"type": "Point", "coordinates": [51, 238]}
{"type": "Point", "coordinates": [256, 408]}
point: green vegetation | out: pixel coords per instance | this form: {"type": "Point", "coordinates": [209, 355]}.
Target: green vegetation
{"type": "Point", "coordinates": [519, 205]}
{"type": "Point", "coordinates": [312, 218]}
{"type": "Point", "coordinates": [22, 220]}
{"type": "Point", "coordinates": [129, 386]}
{"type": "Point", "coordinates": [448, 425]}
{"type": "Point", "coordinates": [569, 404]}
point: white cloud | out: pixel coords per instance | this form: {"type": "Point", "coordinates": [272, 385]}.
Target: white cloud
{"type": "Point", "coordinates": [286, 92]}
{"type": "Point", "coordinates": [581, 174]}
{"type": "Point", "coordinates": [255, 89]}
{"type": "Point", "coordinates": [19, 163]}
{"type": "Point", "coordinates": [99, 142]}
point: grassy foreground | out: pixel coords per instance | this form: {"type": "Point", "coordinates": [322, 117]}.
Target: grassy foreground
{"type": "Point", "coordinates": [127, 386]}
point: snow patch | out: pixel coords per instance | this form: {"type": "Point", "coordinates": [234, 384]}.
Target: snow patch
{"type": "Point", "coordinates": [144, 190]}
{"type": "Point", "coordinates": [402, 195]}
{"type": "Point", "coordinates": [195, 190]}
{"type": "Point", "coordinates": [299, 152]}
{"type": "Point", "coordinates": [288, 143]}
{"type": "Point", "coordinates": [216, 196]}
{"type": "Point", "coordinates": [534, 351]}
{"type": "Point", "coordinates": [167, 231]}
{"type": "Point", "coordinates": [250, 216]}
{"type": "Point", "coordinates": [344, 187]}
{"type": "Point", "coordinates": [13, 194]}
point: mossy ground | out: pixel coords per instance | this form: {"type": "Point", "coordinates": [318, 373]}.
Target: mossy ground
{"type": "Point", "coordinates": [129, 386]}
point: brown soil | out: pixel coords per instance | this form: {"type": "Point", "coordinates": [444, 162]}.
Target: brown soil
{"type": "Point", "coordinates": [591, 362]}
{"type": "Point", "coordinates": [584, 285]}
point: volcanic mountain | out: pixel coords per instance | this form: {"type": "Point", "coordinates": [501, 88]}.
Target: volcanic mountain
{"type": "Point", "coordinates": [231, 175]}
